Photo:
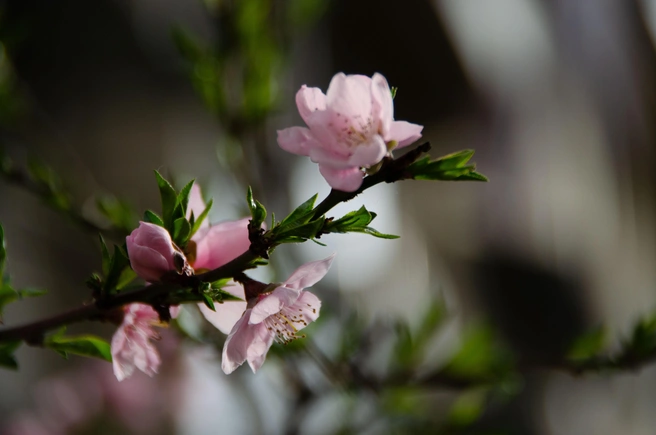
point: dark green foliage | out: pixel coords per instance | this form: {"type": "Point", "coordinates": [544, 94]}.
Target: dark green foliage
{"type": "Point", "coordinates": [83, 345]}
{"type": "Point", "coordinates": [450, 167]}
{"type": "Point", "coordinates": [258, 212]}
{"type": "Point", "coordinates": [356, 222]}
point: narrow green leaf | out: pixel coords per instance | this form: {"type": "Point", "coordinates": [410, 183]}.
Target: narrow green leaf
{"type": "Point", "coordinates": [169, 200]}
{"type": "Point", "coordinates": [118, 263]}
{"type": "Point", "coordinates": [453, 167]}
{"type": "Point", "coordinates": [118, 212]}
{"type": "Point", "coordinates": [7, 296]}
{"type": "Point", "coordinates": [588, 345]}
{"type": "Point", "coordinates": [258, 212]}
{"type": "Point", "coordinates": [153, 218]}
{"type": "Point", "coordinates": [183, 196]}
{"type": "Point", "coordinates": [207, 300]}
{"type": "Point", "coordinates": [106, 257]}
{"type": "Point", "coordinates": [300, 233]}
{"type": "Point", "coordinates": [7, 350]}
{"type": "Point", "coordinates": [373, 232]}
{"type": "Point", "coordinates": [301, 214]}
{"type": "Point", "coordinates": [181, 231]}
{"type": "Point", "coordinates": [125, 278]}
{"type": "Point", "coordinates": [30, 292]}
{"type": "Point", "coordinates": [455, 160]}
{"type": "Point", "coordinates": [199, 220]}
{"type": "Point", "coordinates": [83, 345]}
{"type": "Point", "coordinates": [468, 407]}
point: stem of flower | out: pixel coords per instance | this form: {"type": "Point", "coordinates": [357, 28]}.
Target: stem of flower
{"type": "Point", "coordinates": [391, 170]}
{"type": "Point", "coordinates": [33, 333]}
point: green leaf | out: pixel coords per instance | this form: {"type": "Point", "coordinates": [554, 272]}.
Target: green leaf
{"type": "Point", "coordinates": [30, 292]}
{"type": "Point", "coordinates": [375, 233]}
{"type": "Point", "coordinates": [468, 407]}
{"type": "Point", "coordinates": [300, 233]}
{"type": "Point", "coordinates": [169, 200]}
{"type": "Point", "coordinates": [118, 212]}
{"type": "Point", "coordinates": [7, 350]}
{"type": "Point", "coordinates": [207, 300]}
{"type": "Point", "coordinates": [125, 278]}
{"type": "Point", "coordinates": [183, 197]}
{"type": "Point", "coordinates": [117, 264]}
{"type": "Point", "coordinates": [300, 215]}
{"type": "Point", "coordinates": [479, 355]}
{"type": "Point", "coordinates": [153, 218]}
{"type": "Point", "coordinates": [588, 345]}
{"type": "Point", "coordinates": [106, 257]}
{"type": "Point", "coordinates": [181, 231]}
{"type": "Point", "coordinates": [7, 296]}
{"type": "Point", "coordinates": [450, 167]}
{"type": "Point", "coordinates": [356, 222]}
{"type": "Point", "coordinates": [258, 212]}
{"type": "Point", "coordinates": [199, 220]}
{"type": "Point", "coordinates": [83, 345]}
{"type": "Point", "coordinates": [222, 296]}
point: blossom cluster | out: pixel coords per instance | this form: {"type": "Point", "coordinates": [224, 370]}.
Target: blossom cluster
{"type": "Point", "coordinates": [277, 313]}
{"type": "Point", "coordinates": [351, 129]}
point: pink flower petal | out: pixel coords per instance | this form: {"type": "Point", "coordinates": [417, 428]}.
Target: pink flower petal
{"type": "Point", "coordinates": [330, 157]}
{"type": "Point", "coordinates": [404, 133]}
{"type": "Point", "coordinates": [349, 96]}
{"type": "Point", "coordinates": [271, 304]}
{"type": "Point", "coordinates": [296, 140]}
{"type": "Point", "coordinates": [347, 180]}
{"type": "Point", "coordinates": [309, 274]}
{"type": "Point", "coordinates": [246, 342]}
{"type": "Point", "coordinates": [151, 251]}
{"type": "Point", "coordinates": [369, 154]}
{"type": "Point", "coordinates": [309, 100]}
{"type": "Point", "coordinates": [309, 306]}
{"type": "Point", "coordinates": [131, 346]}
{"type": "Point", "coordinates": [383, 105]}
{"type": "Point", "coordinates": [221, 243]}
{"type": "Point", "coordinates": [228, 313]}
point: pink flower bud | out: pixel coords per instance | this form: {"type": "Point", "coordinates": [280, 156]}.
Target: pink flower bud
{"type": "Point", "coordinates": [152, 252]}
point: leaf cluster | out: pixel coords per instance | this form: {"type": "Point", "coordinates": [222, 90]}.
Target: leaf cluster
{"type": "Point", "coordinates": [174, 212]}
{"type": "Point", "coordinates": [452, 167]}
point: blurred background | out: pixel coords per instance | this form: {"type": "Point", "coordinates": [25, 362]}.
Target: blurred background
{"type": "Point", "coordinates": [557, 99]}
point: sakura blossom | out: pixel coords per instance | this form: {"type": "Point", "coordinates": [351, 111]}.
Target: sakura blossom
{"type": "Point", "coordinates": [351, 127]}
{"type": "Point", "coordinates": [276, 315]}
{"type": "Point", "coordinates": [152, 252]}
{"type": "Point", "coordinates": [216, 245]}
{"type": "Point", "coordinates": [132, 345]}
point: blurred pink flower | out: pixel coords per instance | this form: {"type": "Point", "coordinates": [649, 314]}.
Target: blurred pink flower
{"type": "Point", "coordinates": [275, 315]}
{"type": "Point", "coordinates": [131, 343]}
{"type": "Point", "coordinates": [217, 245]}
{"type": "Point", "coordinates": [351, 127]}
{"type": "Point", "coordinates": [151, 251]}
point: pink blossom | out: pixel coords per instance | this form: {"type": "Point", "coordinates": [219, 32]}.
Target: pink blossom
{"type": "Point", "coordinates": [275, 315]}
{"type": "Point", "coordinates": [217, 245]}
{"type": "Point", "coordinates": [151, 251]}
{"type": "Point", "coordinates": [351, 127]}
{"type": "Point", "coordinates": [132, 342]}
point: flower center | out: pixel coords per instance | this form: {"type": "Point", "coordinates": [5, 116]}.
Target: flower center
{"type": "Point", "coordinates": [356, 132]}
{"type": "Point", "coordinates": [282, 325]}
